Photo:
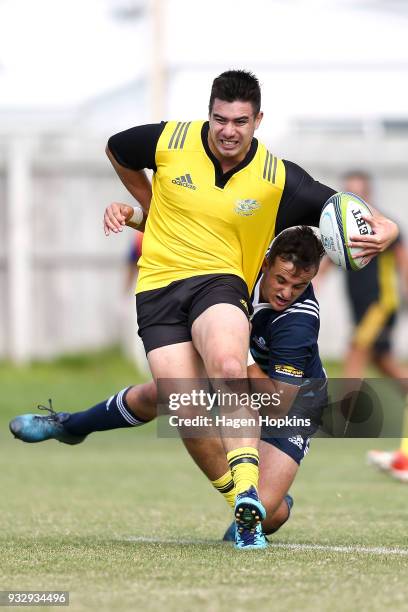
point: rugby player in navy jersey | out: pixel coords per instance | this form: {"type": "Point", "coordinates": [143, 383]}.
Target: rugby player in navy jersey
{"type": "Point", "coordinates": [283, 353]}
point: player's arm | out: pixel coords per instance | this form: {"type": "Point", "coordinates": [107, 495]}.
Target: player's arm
{"type": "Point", "coordinates": [262, 383]}
{"type": "Point", "coordinates": [135, 181]}
{"type": "Point", "coordinates": [130, 153]}
{"type": "Point", "coordinates": [117, 215]}
{"type": "Point", "coordinates": [291, 340]}
{"type": "Point", "coordinates": [302, 202]}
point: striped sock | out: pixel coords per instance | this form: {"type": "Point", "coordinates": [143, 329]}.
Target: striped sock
{"type": "Point", "coordinates": [244, 465]}
{"type": "Point", "coordinates": [225, 485]}
{"type": "Point", "coordinates": [109, 414]}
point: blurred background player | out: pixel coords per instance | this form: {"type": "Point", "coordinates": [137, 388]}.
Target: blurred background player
{"type": "Point", "coordinates": [374, 300]}
{"type": "Point", "coordinates": [132, 263]}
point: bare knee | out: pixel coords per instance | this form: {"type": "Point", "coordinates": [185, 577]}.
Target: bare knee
{"type": "Point", "coordinates": [228, 366]}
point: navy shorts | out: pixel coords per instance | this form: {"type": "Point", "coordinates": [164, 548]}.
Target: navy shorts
{"type": "Point", "coordinates": [296, 446]}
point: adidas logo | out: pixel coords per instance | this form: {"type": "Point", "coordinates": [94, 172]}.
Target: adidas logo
{"type": "Point", "coordinates": [297, 441]}
{"type": "Point", "coordinates": [185, 181]}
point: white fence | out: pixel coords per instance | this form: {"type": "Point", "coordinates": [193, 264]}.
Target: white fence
{"type": "Point", "coordinates": [62, 280]}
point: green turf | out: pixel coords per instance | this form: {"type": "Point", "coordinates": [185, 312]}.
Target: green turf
{"type": "Point", "coordinates": [126, 522]}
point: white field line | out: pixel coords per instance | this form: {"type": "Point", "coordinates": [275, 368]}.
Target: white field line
{"type": "Point", "coordinates": [368, 550]}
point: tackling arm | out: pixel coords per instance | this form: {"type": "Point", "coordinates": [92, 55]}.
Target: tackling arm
{"type": "Point", "coordinates": [262, 383]}
{"type": "Point", "coordinates": [129, 153]}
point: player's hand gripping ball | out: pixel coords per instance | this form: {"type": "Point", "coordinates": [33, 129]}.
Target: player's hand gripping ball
{"type": "Point", "coordinates": [342, 217]}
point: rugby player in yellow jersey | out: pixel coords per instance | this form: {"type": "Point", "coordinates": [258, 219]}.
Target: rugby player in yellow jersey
{"type": "Point", "coordinates": [285, 330]}
{"type": "Point", "coordinates": [215, 199]}
{"type": "Point", "coordinates": [218, 196]}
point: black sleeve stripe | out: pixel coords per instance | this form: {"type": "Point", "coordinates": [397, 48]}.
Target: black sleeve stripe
{"type": "Point", "coordinates": [266, 164]}
{"type": "Point", "coordinates": [275, 163]}
{"type": "Point", "coordinates": [178, 126]}
{"type": "Point", "coordinates": [179, 133]}
{"type": "Point", "coordinates": [135, 148]}
{"type": "Point", "coordinates": [270, 162]}
{"type": "Point", "coordinates": [184, 135]}
{"type": "Point", "coordinates": [270, 167]}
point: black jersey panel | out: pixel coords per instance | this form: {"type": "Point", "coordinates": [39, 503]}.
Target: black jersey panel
{"type": "Point", "coordinates": [135, 148]}
{"type": "Point", "coordinates": [302, 200]}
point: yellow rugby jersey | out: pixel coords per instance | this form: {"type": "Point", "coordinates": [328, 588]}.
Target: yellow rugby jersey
{"type": "Point", "coordinates": [195, 227]}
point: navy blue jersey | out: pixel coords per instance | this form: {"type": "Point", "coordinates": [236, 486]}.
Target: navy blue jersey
{"type": "Point", "coordinates": [284, 343]}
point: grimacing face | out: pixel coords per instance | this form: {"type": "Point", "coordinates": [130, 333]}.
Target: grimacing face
{"type": "Point", "coordinates": [281, 284]}
{"type": "Point", "coordinates": [232, 127]}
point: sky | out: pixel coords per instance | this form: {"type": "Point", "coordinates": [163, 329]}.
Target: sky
{"type": "Point", "coordinates": [59, 53]}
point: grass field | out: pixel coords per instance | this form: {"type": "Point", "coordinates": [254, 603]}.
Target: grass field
{"type": "Point", "coordinates": [125, 521]}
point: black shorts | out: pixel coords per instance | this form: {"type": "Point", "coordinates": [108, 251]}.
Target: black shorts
{"type": "Point", "coordinates": [383, 342]}
{"type": "Point", "coordinates": [375, 332]}
{"type": "Point", "coordinates": [165, 315]}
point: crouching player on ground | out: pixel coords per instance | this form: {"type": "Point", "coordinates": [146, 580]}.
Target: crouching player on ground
{"type": "Point", "coordinates": [283, 352]}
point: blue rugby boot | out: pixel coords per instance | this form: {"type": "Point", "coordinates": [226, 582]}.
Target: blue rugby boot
{"type": "Point", "coordinates": [250, 539]}
{"type": "Point", "coordinates": [37, 428]}
{"type": "Point", "coordinates": [248, 509]}
{"type": "Point", "coordinates": [229, 535]}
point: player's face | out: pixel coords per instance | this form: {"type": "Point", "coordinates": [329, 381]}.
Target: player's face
{"type": "Point", "coordinates": [282, 284]}
{"type": "Point", "coordinates": [232, 127]}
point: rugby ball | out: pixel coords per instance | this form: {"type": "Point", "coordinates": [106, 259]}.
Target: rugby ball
{"type": "Point", "coordinates": [341, 218]}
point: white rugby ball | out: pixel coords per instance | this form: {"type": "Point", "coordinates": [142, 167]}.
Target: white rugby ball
{"type": "Point", "coordinates": [341, 218]}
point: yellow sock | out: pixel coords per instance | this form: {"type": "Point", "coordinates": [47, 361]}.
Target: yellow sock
{"type": "Point", "coordinates": [404, 439]}
{"type": "Point", "coordinates": [244, 464]}
{"type": "Point", "coordinates": [225, 485]}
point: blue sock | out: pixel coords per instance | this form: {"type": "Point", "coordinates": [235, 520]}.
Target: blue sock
{"type": "Point", "coordinates": [110, 414]}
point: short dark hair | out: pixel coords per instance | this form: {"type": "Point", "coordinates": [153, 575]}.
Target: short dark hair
{"type": "Point", "coordinates": [235, 85]}
{"type": "Point", "coordinates": [299, 245]}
